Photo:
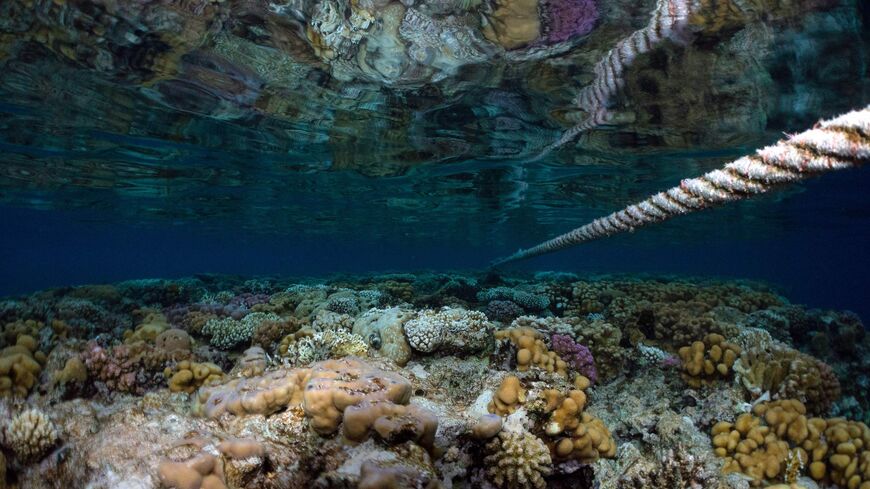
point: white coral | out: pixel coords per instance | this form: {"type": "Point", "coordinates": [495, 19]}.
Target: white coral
{"type": "Point", "coordinates": [518, 459]}
{"type": "Point", "coordinates": [431, 329]}
{"type": "Point", "coordinates": [30, 434]}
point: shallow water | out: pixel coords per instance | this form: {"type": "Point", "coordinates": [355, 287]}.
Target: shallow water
{"type": "Point", "coordinates": [334, 141]}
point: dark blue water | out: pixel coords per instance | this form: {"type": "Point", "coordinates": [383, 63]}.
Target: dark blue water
{"type": "Point", "coordinates": [817, 254]}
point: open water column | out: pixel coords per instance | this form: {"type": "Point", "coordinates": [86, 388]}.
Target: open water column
{"type": "Point", "coordinates": [496, 244]}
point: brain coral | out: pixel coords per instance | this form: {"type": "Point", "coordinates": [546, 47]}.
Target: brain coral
{"type": "Point", "coordinates": [30, 435]}
{"type": "Point", "coordinates": [449, 330]}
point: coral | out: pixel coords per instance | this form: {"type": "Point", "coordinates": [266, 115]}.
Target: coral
{"type": "Point", "coordinates": [336, 385]}
{"type": "Point", "coordinates": [577, 356]}
{"type": "Point", "coordinates": [583, 437]}
{"type": "Point", "coordinates": [788, 374]}
{"type": "Point", "coordinates": [508, 397]}
{"type": "Point", "coordinates": [11, 331]}
{"type": "Point", "coordinates": [503, 311]}
{"type": "Point", "coordinates": [527, 300]}
{"type": "Point", "coordinates": [487, 426]}
{"type": "Point", "coordinates": [226, 333]}
{"type": "Point", "coordinates": [173, 340]}
{"type": "Point", "coordinates": [189, 376]}
{"type": "Point", "coordinates": [151, 326]}
{"type": "Point", "coordinates": [513, 23]}
{"type": "Point", "coordinates": [449, 331]}
{"type": "Point", "coordinates": [253, 362]}
{"type": "Point", "coordinates": [708, 360]}
{"type": "Point", "coordinates": [517, 459]}
{"type": "Point", "coordinates": [676, 469]}
{"type": "Point", "coordinates": [30, 435]}
{"type": "Point", "coordinates": [20, 366]}
{"type": "Point", "coordinates": [306, 346]}
{"type": "Point", "coordinates": [263, 394]}
{"type": "Point", "coordinates": [343, 305]}
{"type": "Point", "coordinates": [325, 320]}
{"type": "Point", "coordinates": [392, 423]}
{"type": "Point", "coordinates": [200, 472]}
{"type": "Point", "coordinates": [383, 330]}
{"type": "Point", "coordinates": [532, 351]}
{"type": "Point", "coordinates": [778, 439]}
{"type": "Point", "coordinates": [126, 367]}
{"type": "Point", "coordinates": [564, 19]}
{"type": "Point", "coordinates": [74, 371]}
{"type": "Point", "coordinates": [604, 341]}
{"type": "Point", "coordinates": [269, 333]}
{"type": "Point", "coordinates": [241, 449]}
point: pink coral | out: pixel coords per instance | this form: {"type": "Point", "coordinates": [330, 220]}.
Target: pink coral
{"type": "Point", "coordinates": [564, 19]}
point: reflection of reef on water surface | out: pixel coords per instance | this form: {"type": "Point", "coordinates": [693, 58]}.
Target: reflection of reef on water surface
{"type": "Point", "coordinates": [430, 380]}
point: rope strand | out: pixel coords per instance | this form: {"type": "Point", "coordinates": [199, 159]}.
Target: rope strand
{"type": "Point", "coordinates": [840, 143]}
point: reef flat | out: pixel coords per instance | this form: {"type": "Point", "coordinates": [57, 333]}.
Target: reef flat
{"type": "Point", "coordinates": [431, 380]}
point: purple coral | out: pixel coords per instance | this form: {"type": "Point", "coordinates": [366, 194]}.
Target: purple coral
{"type": "Point", "coordinates": [577, 356]}
{"type": "Point", "coordinates": [564, 19]}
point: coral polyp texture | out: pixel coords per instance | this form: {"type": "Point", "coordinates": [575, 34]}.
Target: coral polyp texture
{"type": "Point", "coordinates": [404, 381]}
{"type": "Point", "coordinates": [835, 144]}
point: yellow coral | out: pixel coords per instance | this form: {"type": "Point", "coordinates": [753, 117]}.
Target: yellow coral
{"type": "Point", "coordinates": [708, 360]}
{"type": "Point", "coordinates": [20, 366]}
{"type": "Point", "coordinates": [778, 439]}
{"type": "Point", "coordinates": [189, 376]}
{"type": "Point", "coordinates": [532, 351]}
{"type": "Point", "coordinates": [508, 397]}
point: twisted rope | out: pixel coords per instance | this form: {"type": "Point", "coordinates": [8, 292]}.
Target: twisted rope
{"type": "Point", "coordinates": [669, 19]}
{"type": "Point", "coordinates": [840, 143]}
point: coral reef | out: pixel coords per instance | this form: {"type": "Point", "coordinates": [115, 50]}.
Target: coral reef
{"type": "Point", "coordinates": [591, 393]}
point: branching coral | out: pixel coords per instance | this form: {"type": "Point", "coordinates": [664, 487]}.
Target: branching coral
{"type": "Point", "coordinates": [518, 459]}
{"type": "Point", "coordinates": [30, 435]}
{"type": "Point", "coordinates": [577, 356]}
{"type": "Point", "coordinates": [306, 346]}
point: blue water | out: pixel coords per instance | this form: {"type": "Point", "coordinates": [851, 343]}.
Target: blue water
{"type": "Point", "coordinates": [243, 154]}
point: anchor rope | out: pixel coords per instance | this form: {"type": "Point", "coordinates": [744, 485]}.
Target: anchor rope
{"type": "Point", "coordinates": [836, 144]}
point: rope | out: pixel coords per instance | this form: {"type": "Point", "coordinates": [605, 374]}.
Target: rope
{"type": "Point", "coordinates": [840, 143]}
{"type": "Point", "coordinates": [669, 19]}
